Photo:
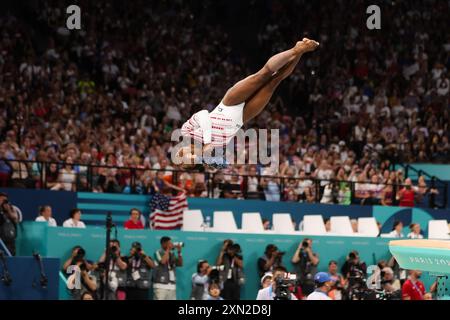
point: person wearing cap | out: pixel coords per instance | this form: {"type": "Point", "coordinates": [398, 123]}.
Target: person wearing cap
{"type": "Point", "coordinates": [266, 280]}
{"type": "Point", "coordinates": [138, 273]}
{"type": "Point", "coordinates": [324, 283]}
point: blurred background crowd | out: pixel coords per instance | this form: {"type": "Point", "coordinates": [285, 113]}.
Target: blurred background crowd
{"type": "Point", "coordinates": [112, 93]}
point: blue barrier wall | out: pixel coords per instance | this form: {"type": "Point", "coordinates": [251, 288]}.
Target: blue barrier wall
{"type": "Point", "coordinates": [200, 245]}
{"type": "Point", "coordinates": [58, 242]}
{"type": "Point", "coordinates": [25, 275]}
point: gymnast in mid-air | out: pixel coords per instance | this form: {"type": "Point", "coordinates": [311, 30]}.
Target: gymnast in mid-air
{"type": "Point", "coordinates": [241, 103]}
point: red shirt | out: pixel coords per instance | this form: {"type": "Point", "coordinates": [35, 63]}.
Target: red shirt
{"type": "Point", "coordinates": [415, 291]}
{"type": "Point", "coordinates": [407, 198]}
{"type": "Point", "coordinates": [131, 225]}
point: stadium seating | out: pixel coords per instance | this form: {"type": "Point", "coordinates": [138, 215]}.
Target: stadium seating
{"type": "Point", "coordinates": [313, 225]}
{"type": "Point", "coordinates": [193, 220]}
{"type": "Point", "coordinates": [341, 226]}
{"type": "Point", "coordinates": [367, 226]}
{"type": "Point", "coordinates": [438, 229]}
{"type": "Point", "coordinates": [252, 222]}
{"type": "Point", "coordinates": [224, 222]}
{"type": "Point", "coordinates": [282, 223]}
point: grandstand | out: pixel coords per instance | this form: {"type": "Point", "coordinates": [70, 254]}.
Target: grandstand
{"type": "Point", "coordinates": [86, 122]}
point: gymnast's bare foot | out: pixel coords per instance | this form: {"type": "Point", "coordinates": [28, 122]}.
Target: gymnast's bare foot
{"type": "Point", "coordinates": [306, 45]}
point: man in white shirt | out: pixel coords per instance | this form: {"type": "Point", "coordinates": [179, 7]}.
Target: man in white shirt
{"type": "Point", "coordinates": [324, 283]}
{"type": "Point", "coordinates": [45, 215]}
{"type": "Point", "coordinates": [397, 230]}
{"type": "Point", "coordinates": [269, 293]}
{"type": "Point", "coordinates": [74, 220]}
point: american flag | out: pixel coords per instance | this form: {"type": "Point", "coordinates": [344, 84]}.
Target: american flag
{"type": "Point", "coordinates": [167, 212]}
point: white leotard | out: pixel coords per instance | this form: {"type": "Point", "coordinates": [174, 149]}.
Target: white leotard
{"type": "Point", "coordinates": [217, 127]}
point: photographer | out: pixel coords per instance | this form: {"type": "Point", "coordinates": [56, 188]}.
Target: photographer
{"type": "Point", "coordinates": [200, 281]}
{"type": "Point", "coordinates": [79, 268]}
{"type": "Point", "coordinates": [353, 267]}
{"type": "Point", "coordinates": [138, 273]}
{"type": "Point", "coordinates": [324, 283]}
{"type": "Point", "coordinates": [164, 277]}
{"type": "Point", "coordinates": [390, 285]}
{"type": "Point", "coordinates": [280, 287]}
{"type": "Point", "coordinates": [354, 272]}
{"type": "Point", "coordinates": [232, 275]}
{"type": "Point", "coordinates": [78, 254]}
{"type": "Point", "coordinates": [271, 259]}
{"type": "Point", "coordinates": [8, 223]}
{"type": "Point", "coordinates": [117, 269]}
{"type": "Point", "coordinates": [305, 262]}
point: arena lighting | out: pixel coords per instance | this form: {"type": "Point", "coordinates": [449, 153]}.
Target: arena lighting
{"type": "Point", "coordinates": [432, 256]}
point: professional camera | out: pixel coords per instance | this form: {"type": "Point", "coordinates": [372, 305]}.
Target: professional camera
{"type": "Point", "coordinates": [305, 244]}
{"type": "Point", "coordinates": [281, 253]}
{"type": "Point", "coordinates": [79, 257]}
{"type": "Point", "coordinates": [178, 244]}
{"type": "Point", "coordinates": [138, 249]}
{"type": "Point", "coordinates": [283, 285]}
{"type": "Point", "coordinates": [114, 252]}
{"type": "Point", "coordinates": [218, 268]}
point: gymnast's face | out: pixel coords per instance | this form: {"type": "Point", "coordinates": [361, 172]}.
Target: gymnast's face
{"type": "Point", "coordinates": [186, 156]}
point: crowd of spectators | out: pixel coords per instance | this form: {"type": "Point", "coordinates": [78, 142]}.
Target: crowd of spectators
{"type": "Point", "coordinates": [112, 92]}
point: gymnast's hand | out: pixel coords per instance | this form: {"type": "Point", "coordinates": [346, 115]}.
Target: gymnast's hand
{"type": "Point", "coordinates": [207, 150]}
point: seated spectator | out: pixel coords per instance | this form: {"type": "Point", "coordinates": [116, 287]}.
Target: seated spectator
{"type": "Point", "coordinates": [415, 231]}
{"type": "Point", "coordinates": [354, 224]}
{"type": "Point", "coordinates": [75, 220]}
{"type": "Point", "coordinates": [266, 224]}
{"type": "Point", "coordinates": [45, 215]}
{"type": "Point", "coordinates": [135, 220]}
{"type": "Point", "coordinates": [67, 177]}
{"type": "Point", "coordinates": [413, 288]}
{"type": "Point", "coordinates": [387, 194]}
{"type": "Point", "coordinates": [327, 223]}
{"type": "Point", "coordinates": [406, 195]}
{"type": "Point", "coordinates": [214, 292]}
{"type": "Point", "coordinates": [397, 230]}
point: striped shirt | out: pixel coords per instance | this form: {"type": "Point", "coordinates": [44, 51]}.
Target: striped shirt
{"type": "Point", "coordinates": [217, 127]}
